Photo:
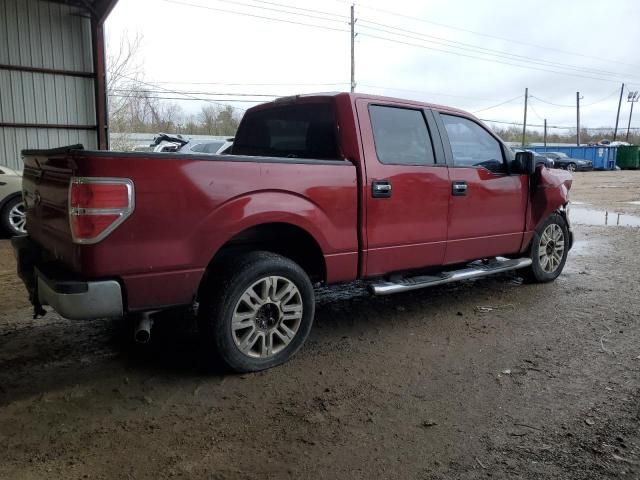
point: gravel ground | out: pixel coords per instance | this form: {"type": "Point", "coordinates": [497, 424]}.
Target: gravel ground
{"type": "Point", "coordinates": [490, 378]}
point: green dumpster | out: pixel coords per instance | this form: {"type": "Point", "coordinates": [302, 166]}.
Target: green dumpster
{"type": "Point", "coordinates": [628, 158]}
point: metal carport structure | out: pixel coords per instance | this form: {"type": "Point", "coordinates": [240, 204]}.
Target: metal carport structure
{"type": "Point", "coordinates": [52, 75]}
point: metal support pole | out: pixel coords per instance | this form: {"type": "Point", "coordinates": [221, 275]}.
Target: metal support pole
{"type": "Point", "coordinates": [578, 118]}
{"type": "Point", "coordinates": [353, 49]}
{"type": "Point", "coordinates": [629, 126]}
{"type": "Point", "coordinates": [545, 132]}
{"type": "Point", "coordinates": [633, 97]}
{"type": "Point", "coordinates": [524, 123]}
{"type": "Point", "coordinates": [615, 131]}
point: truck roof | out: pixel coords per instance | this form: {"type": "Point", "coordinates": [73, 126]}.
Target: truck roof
{"type": "Point", "coordinates": [353, 96]}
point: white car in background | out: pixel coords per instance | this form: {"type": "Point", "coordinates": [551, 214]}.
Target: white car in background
{"type": "Point", "coordinates": [12, 215]}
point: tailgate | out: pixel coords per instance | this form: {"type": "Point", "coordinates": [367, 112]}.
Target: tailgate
{"type": "Point", "coordinates": [46, 193]}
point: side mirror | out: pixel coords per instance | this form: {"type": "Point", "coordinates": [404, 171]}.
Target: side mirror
{"type": "Point", "coordinates": [526, 162]}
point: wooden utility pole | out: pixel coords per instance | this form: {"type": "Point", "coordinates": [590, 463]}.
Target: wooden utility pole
{"type": "Point", "coordinates": [353, 49]}
{"type": "Point", "coordinates": [578, 97]}
{"type": "Point", "coordinates": [632, 98]}
{"type": "Point", "coordinates": [615, 132]}
{"type": "Point", "coordinates": [545, 132]}
{"type": "Point", "coordinates": [524, 124]}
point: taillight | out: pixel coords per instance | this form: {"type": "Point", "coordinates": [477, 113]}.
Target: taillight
{"type": "Point", "coordinates": [97, 206]}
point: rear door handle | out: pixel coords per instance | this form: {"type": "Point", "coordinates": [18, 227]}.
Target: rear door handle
{"type": "Point", "coordinates": [381, 189]}
{"type": "Point", "coordinates": [459, 188]}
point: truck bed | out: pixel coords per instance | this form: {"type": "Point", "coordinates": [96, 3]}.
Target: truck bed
{"type": "Point", "coordinates": [186, 208]}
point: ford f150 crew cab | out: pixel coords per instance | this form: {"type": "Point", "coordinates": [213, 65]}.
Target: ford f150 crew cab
{"type": "Point", "coordinates": [323, 188]}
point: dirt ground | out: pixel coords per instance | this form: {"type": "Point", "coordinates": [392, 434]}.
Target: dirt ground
{"type": "Point", "coordinates": [492, 378]}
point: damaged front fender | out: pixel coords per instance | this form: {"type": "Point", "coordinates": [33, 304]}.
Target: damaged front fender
{"type": "Point", "coordinates": [549, 193]}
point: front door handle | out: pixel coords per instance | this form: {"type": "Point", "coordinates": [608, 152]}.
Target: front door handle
{"type": "Point", "coordinates": [459, 188]}
{"type": "Point", "coordinates": [381, 189]}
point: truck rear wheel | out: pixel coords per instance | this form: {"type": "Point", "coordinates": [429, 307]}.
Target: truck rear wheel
{"type": "Point", "coordinates": [549, 249]}
{"type": "Point", "coordinates": [255, 313]}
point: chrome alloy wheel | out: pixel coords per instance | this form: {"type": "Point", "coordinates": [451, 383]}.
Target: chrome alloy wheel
{"type": "Point", "coordinates": [551, 248]}
{"type": "Point", "coordinates": [18, 218]}
{"type": "Point", "coordinates": [267, 317]}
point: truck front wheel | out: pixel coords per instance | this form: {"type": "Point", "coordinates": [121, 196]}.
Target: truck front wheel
{"type": "Point", "coordinates": [549, 248]}
{"type": "Point", "coordinates": [256, 312]}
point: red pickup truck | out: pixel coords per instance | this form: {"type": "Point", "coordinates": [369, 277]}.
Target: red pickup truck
{"type": "Point", "coordinates": [322, 188]}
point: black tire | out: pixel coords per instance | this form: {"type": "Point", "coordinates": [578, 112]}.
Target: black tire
{"type": "Point", "coordinates": [538, 271]}
{"type": "Point", "coordinates": [5, 221]}
{"type": "Point", "coordinates": [572, 167]}
{"type": "Point", "coordinates": [221, 296]}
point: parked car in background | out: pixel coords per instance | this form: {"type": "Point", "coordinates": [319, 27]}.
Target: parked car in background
{"type": "Point", "coordinates": [166, 143]}
{"type": "Point", "coordinates": [539, 159]}
{"type": "Point", "coordinates": [562, 160]}
{"type": "Point", "coordinates": [325, 188]}
{"type": "Point", "coordinates": [12, 217]}
{"type": "Point", "coordinates": [219, 147]}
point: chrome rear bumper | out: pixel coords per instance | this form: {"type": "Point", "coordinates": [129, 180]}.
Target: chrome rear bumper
{"type": "Point", "coordinates": [80, 300]}
{"type": "Point", "coordinates": [67, 293]}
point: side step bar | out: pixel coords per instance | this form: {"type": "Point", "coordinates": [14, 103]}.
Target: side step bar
{"type": "Point", "coordinates": [475, 270]}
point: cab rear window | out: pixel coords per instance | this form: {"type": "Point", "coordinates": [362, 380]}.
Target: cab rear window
{"type": "Point", "coordinates": [290, 131]}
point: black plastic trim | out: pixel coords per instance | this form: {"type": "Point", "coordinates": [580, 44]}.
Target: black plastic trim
{"type": "Point", "coordinates": [60, 281]}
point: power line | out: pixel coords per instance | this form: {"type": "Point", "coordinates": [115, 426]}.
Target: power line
{"type": "Point", "coordinates": [573, 106]}
{"type": "Point", "coordinates": [216, 101]}
{"type": "Point", "coordinates": [485, 59]}
{"type": "Point", "coordinates": [185, 92]}
{"type": "Point", "coordinates": [344, 17]}
{"type": "Point", "coordinates": [508, 56]}
{"type": "Point", "coordinates": [166, 82]}
{"type": "Point", "coordinates": [245, 14]}
{"type": "Point", "coordinates": [519, 124]}
{"type": "Point", "coordinates": [499, 104]}
{"type": "Point", "coordinates": [233, 2]}
{"type": "Point", "coordinates": [424, 92]}
{"type": "Point", "coordinates": [488, 35]}
{"type": "Point", "coordinates": [534, 111]}
{"type": "Point", "coordinates": [479, 49]}
{"type": "Point", "coordinates": [174, 92]}
{"type": "Point", "coordinates": [559, 127]}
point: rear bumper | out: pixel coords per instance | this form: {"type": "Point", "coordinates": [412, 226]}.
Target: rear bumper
{"type": "Point", "coordinates": [69, 295]}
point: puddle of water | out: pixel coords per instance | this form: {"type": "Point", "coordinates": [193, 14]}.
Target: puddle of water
{"type": "Point", "coordinates": [587, 216]}
{"type": "Point", "coordinates": [578, 203]}
{"type": "Point", "coordinates": [635, 202]}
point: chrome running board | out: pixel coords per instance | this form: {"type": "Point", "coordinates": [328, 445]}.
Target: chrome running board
{"type": "Point", "coordinates": [475, 269]}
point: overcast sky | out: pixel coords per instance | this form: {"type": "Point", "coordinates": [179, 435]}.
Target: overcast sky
{"type": "Point", "coordinates": [589, 46]}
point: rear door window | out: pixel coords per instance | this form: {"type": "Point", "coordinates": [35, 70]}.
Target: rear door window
{"type": "Point", "coordinates": [291, 131]}
{"type": "Point", "coordinates": [472, 145]}
{"type": "Point", "coordinates": [401, 136]}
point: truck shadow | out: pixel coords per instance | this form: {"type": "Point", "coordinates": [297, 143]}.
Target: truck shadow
{"type": "Point", "coordinates": [47, 355]}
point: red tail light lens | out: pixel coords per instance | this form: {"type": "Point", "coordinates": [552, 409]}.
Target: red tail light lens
{"type": "Point", "coordinates": [97, 206]}
{"type": "Point", "coordinates": [99, 195]}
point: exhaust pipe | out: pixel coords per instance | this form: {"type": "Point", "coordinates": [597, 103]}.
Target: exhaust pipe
{"type": "Point", "coordinates": [142, 332]}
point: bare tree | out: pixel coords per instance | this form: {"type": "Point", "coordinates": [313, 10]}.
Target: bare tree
{"type": "Point", "coordinates": [208, 118]}
{"type": "Point", "coordinates": [124, 74]}
{"type": "Point", "coordinates": [133, 107]}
